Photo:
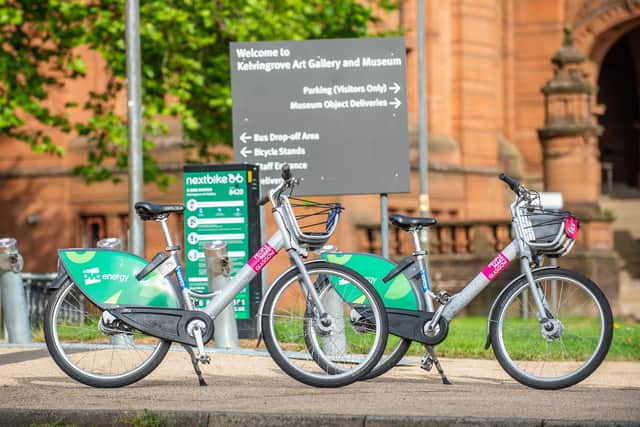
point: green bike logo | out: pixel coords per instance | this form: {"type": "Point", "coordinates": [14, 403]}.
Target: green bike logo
{"type": "Point", "coordinates": [91, 276]}
{"type": "Point", "coordinates": [230, 178]}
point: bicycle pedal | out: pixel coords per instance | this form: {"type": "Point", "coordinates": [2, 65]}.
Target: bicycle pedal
{"type": "Point", "coordinates": [204, 359]}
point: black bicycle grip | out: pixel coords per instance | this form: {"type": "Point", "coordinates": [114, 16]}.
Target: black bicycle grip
{"type": "Point", "coordinates": [513, 183]}
{"type": "Point", "coordinates": [286, 172]}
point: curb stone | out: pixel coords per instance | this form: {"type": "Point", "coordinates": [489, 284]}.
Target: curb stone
{"type": "Point", "coordinates": [400, 421]}
{"type": "Point", "coordinates": [109, 418]}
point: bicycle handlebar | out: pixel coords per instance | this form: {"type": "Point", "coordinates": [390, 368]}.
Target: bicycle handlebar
{"type": "Point", "coordinates": [513, 183]}
{"type": "Point", "coordinates": [286, 173]}
{"type": "Point", "coordinates": [287, 182]}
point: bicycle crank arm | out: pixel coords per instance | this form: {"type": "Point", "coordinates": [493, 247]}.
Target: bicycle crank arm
{"type": "Point", "coordinates": [166, 323]}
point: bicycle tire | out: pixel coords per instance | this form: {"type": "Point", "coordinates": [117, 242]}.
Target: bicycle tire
{"type": "Point", "coordinates": [386, 362]}
{"type": "Point", "coordinates": [286, 328]}
{"type": "Point", "coordinates": [70, 349]}
{"type": "Point", "coordinates": [572, 331]}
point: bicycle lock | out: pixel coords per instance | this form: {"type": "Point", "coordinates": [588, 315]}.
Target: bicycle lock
{"type": "Point", "coordinates": [225, 332]}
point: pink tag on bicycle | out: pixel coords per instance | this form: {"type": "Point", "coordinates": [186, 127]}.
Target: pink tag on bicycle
{"type": "Point", "coordinates": [496, 266]}
{"type": "Point", "coordinates": [571, 226]}
{"type": "Point", "coordinates": [262, 257]}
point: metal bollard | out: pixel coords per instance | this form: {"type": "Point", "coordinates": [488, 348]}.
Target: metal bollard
{"type": "Point", "coordinates": [110, 243]}
{"type": "Point", "coordinates": [14, 302]}
{"type": "Point", "coordinates": [334, 344]}
{"type": "Point", "coordinates": [218, 271]}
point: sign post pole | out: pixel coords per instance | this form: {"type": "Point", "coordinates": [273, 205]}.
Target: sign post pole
{"type": "Point", "coordinates": [423, 158]}
{"type": "Point", "coordinates": [135, 241]}
{"type": "Point", "coordinates": [384, 225]}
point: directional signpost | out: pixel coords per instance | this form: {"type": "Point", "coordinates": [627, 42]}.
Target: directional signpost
{"type": "Point", "coordinates": [334, 110]}
{"type": "Point", "coordinates": [221, 204]}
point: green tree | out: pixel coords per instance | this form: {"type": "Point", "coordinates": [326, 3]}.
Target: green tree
{"type": "Point", "coordinates": [36, 42]}
{"type": "Point", "coordinates": [185, 65]}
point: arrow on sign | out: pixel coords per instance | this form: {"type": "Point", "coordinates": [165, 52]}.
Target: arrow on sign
{"type": "Point", "coordinates": [245, 151]}
{"type": "Point", "coordinates": [395, 87]}
{"type": "Point", "coordinates": [244, 137]}
{"type": "Point", "coordinates": [396, 103]}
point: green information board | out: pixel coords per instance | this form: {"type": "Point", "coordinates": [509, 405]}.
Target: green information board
{"type": "Point", "coordinates": [221, 204]}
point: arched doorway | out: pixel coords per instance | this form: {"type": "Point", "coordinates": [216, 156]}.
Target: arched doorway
{"type": "Point", "coordinates": [619, 92]}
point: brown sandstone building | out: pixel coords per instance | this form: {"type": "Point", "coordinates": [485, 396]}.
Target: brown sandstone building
{"type": "Point", "coordinates": [496, 102]}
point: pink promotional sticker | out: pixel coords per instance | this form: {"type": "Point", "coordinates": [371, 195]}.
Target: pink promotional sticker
{"type": "Point", "coordinates": [571, 226]}
{"type": "Point", "coordinates": [262, 257]}
{"type": "Point", "coordinates": [496, 266]}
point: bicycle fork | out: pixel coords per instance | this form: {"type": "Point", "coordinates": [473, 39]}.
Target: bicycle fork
{"type": "Point", "coordinates": [538, 297]}
{"type": "Point", "coordinates": [551, 327]}
{"type": "Point", "coordinates": [309, 290]}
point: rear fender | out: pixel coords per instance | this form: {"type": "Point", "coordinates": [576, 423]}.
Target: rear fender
{"type": "Point", "coordinates": [60, 280]}
{"type": "Point", "coordinates": [398, 292]}
{"type": "Point", "coordinates": [108, 278]}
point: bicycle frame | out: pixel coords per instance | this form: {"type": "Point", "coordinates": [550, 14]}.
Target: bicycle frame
{"type": "Point", "coordinates": [282, 238]}
{"type": "Point", "coordinates": [517, 249]}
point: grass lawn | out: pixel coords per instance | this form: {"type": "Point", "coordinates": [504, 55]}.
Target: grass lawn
{"type": "Point", "coordinates": [467, 336]}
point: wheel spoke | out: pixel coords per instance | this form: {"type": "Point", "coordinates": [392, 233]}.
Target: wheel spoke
{"type": "Point", "coordinates": [569, 341]}
{"type": "Point", "coordinates": [314, 350]}
{"type": "Point", "coordinates": [87, 354]}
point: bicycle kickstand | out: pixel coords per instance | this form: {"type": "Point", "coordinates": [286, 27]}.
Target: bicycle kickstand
{"type": "Point", "coordinates": [429, 359]}
{"type": "Point", "coordinates": [194, 362]}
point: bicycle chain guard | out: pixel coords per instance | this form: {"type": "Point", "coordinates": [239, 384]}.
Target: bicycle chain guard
{"type": "Point", "coordinates": [410, 323]}
{"type": "Point", "coordinates": [165, 323]}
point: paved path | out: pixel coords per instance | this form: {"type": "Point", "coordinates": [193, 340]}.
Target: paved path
{"type": "Point", "coordinates": [246, 388]}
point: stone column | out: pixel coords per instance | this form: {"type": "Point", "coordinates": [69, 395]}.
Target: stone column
{"type": "Point", "coordinates": [571, 157]}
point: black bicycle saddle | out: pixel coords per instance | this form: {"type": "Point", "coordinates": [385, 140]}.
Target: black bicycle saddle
{"type": "Point", "coordinates": [150, 211]}
{"type": "Point", "coordinates": [408, 222]}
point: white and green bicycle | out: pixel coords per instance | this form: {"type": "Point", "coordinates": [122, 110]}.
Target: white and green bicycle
{"type": "Point", "coordinates": [549, 327]}
{"type": "Point", "coordinates": [114, 315]}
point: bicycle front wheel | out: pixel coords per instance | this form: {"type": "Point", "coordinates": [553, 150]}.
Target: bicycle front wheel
{"type": "Point", "coordinates": [562, 351]}
{"type": "Point", "coordinates": [96, 349]}
{"type": "Point", "coordinates": [325, 352]}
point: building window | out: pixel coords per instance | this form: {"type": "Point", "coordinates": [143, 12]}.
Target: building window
{"type": "Point", "coordinates": [94, 228]}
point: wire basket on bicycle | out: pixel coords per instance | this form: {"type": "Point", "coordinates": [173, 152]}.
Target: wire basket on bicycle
{"type": "Point", "coordinates": [549, 232]}
{"type": "Point", "coordinates": [312, 223]}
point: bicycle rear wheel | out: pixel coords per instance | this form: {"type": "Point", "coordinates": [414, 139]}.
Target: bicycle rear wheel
{"type": "Point", "coordinates": [394, 351]}
{"type": "Point", "coordinates": [320, 353]}
{"type": "Point", "coordinates": [565, 350]}
{"type": "Point", "coordinates": [95, 352]}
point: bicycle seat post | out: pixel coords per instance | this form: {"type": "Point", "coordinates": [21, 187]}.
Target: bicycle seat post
{"type": "Point", "coordinates": [167, 235]}
{"type": "Point", "coordinates": [415, 234]}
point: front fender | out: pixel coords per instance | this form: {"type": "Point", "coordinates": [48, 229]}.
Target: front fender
{"type": "Point", "coordinates": [502, 292]}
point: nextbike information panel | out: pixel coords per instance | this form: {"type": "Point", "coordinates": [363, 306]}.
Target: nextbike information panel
{"type": "Point", "coordinates": [334, 110]}
{"type": "Point", "coordinates": [221, 204]}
